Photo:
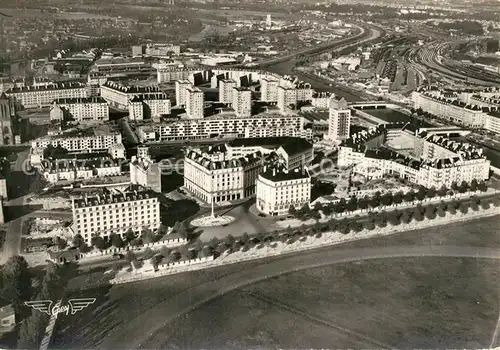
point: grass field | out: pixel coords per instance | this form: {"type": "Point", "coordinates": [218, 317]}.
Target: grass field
{"type": "Point", "coordinates": [403, 302]}
{"type": "Point", "coordinates": [400, 303]}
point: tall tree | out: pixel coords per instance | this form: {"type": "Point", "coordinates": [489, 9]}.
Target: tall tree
{"type": "Point", "coordinates": [17, 284]}
{"type": "Point", "coordinates": [147, 235]}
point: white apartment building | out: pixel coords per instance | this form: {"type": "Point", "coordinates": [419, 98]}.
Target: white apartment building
{"type": "Point", "coordinates": [304, 92]}
{"type": "Point", "coordinates": [339, 121]}
{"type": "Point", "coordinates": [195, 103]}
{"type": "Point", "coordinates": [277, 191]}
{"type": "Point", "coordinates": [435, 161]}
{"type": "Point", "coordinates": [217, 181]}
{"type": "Point", "coordinates": [251, 132]}
{"type": "Point", "coordinates": [450, 109]}
{"type": "Point", "coordinates": [42, 96]}
{"type": "Point", "coordinates": [287, 98]}
{"type": "Point", "coordinates": [115, 213]}
{"type": "Point", "coordinates": [144, 171]}
{"type": "Point", "coordinates": [181, 87]}
{"type": "Point", "coordinates": [84, 143]}
{"type": "Point", "coordinates": [322, 100]}
{"type": "Point", "coordinates": [148, 106]}
{"type": "Point", "coordinates": [80, 109]}
{"type": "Point", "coordinates": [170, 74]}
{"type": "Point", "coordinates": [242, 102]}
{"type": "Point", "coordinates": [269, 89]}
{"type": "Point", "coordinates": [162, 50]}
{"type": "Point", "coordinates": [222, 125]}
{"type": "Point", "coordinates": [119, 95]}
{"type": "Point", "coordinates": [226, 87]}
{"type": "Point", "coordinates": [70, 169]}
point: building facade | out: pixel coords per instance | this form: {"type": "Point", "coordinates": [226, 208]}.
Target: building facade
{"type": "Point", "coordinates": [80, 109]}
{"type": "Point", "coordinates": [92, 143]}
{"type": "Point", "coordinates": [339, 121]}
{"type": "Point", "coordinates": [229, 125]}
{"type": "Point", "coordinates": [217, 181]}
{"type": "Point", "coordinates": [119, 95]}
{"type": "Point", "coordinates": [110, 214]}
{"type": "Point", "coordinates": [434, 161]}
{"type": "Point", "coordinates": [43, 96]}
{"type": "Point", "coordinates": [226, 90]}
{"type": "Point", "coordinates": [144, 171]}
{"type": "Point", "coordinates": [269, 90]}
{"type": "Point", "coordinates": [242, 102]}
{"type": "Point", "coordinates": [277, 191]}
{"type": "Point", "coordinates": [195, 103]}
{"type": "Point", "coordinates": [71, 170]}
{"type": "Point", "coordinates": [148, 106]}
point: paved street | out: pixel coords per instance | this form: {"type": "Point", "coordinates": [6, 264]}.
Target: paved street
{"type": "Point", "coordinates": [198, 295]}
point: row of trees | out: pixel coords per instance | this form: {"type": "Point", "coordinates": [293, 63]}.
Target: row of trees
{"type": "Point", "coordinates": [379, 199]}
{"type": "Point", "coordinates": [346, 226]}
{"type": "Point", "coordinates": [129, 239]}
{"type": "Point", "coordinates": [167, 255]}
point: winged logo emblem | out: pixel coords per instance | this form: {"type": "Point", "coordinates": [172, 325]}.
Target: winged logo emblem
{"type": "Point", "coordinates": [80, 304]}
{"type": "Point", "coordinates": [74, 305]}
{"type": "Point", "coordinates": [40, 305]}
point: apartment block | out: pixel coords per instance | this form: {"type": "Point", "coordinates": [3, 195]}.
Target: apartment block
{"type": "Point", "coordinates": [43, 96]}
{"type": "Point", "coordinates": [115, 213]}
{"type": "Point", "coordinates": [181, 87]}
{"type": "Point", "coordinates": [242, 102]}
{"type": "Point", "coordinates": [269, 90]}
{"type": "Point", "coordinates": [226, 87]}
{"type": "Point", "coordinates": [195, 103]}
{"type": "Point", "coordinates": [277, 191]}
{"type": "Point", "coordinates": [339, 121]}
{"type": "Point", "coordinates": [80, 109]}
{"type": "Point", "coordinates": [223, 125]}
{"type": "Point", "coordinates": [216, 181]}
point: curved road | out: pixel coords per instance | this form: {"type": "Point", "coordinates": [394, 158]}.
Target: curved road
{"type": "Point", "coordinates": [132, 334]}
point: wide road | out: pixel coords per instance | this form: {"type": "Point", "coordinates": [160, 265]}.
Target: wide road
{"type": "Point", "coordinates": [132, 335]}
{"type": "Point", "coordinates": [12, 244]}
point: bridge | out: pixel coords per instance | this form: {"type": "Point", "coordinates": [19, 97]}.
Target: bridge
{"type": "Point", "coordinates": [446, 130]}
{"type": "Point", "coordinates": [370, 105]}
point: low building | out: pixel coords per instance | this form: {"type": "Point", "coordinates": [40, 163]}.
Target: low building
{"type": "Point", "coordinates": [215, 180]}
{"type": "Point", "coordinates": [277, 191]}
{"type": "Point", "coordinates": [87, 140]}
{"type": "Point", "coordinates": [115, 213]}
{"type": "Point", "coordinates": [117, 151]}
{"type": "Point", "coordinates": [70, 169]}
{"type": "Point", "coordinates": [80, 109]}
{"type": "Point", "coordinates": [7, 318]}
{"type": "Point", "coordinates": [66, 256]}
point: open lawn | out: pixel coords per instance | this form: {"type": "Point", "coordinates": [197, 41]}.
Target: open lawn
{"type": "Point", "coordinates": [399, 302]}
